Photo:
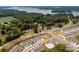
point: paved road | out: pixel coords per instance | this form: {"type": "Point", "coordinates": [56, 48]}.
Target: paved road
{"type": "Point", "coordinates": [70, 32]}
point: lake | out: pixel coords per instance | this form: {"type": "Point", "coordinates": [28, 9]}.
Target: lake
{"type": "Point", "coordinates": [44, 10]}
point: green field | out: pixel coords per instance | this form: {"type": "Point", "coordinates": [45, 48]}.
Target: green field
{"type": "Point", "coordinates": [6, 19]}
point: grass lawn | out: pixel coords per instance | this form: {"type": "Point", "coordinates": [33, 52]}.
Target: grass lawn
{"type": "Point", "coordinates": [6, 19]}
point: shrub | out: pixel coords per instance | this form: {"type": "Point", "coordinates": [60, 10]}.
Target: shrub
{"type": "Point", "coordinates": [12, 37]}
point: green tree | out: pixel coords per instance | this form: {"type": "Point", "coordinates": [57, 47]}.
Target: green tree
{"type": "Point", "coordinates": [2, 31]}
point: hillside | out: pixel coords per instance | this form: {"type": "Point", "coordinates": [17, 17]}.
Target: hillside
{"type": "Point", "coordinates": [6, 19]}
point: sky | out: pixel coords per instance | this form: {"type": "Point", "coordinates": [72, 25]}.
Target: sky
{"type": "Point", "coordinates": [39, 2]}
